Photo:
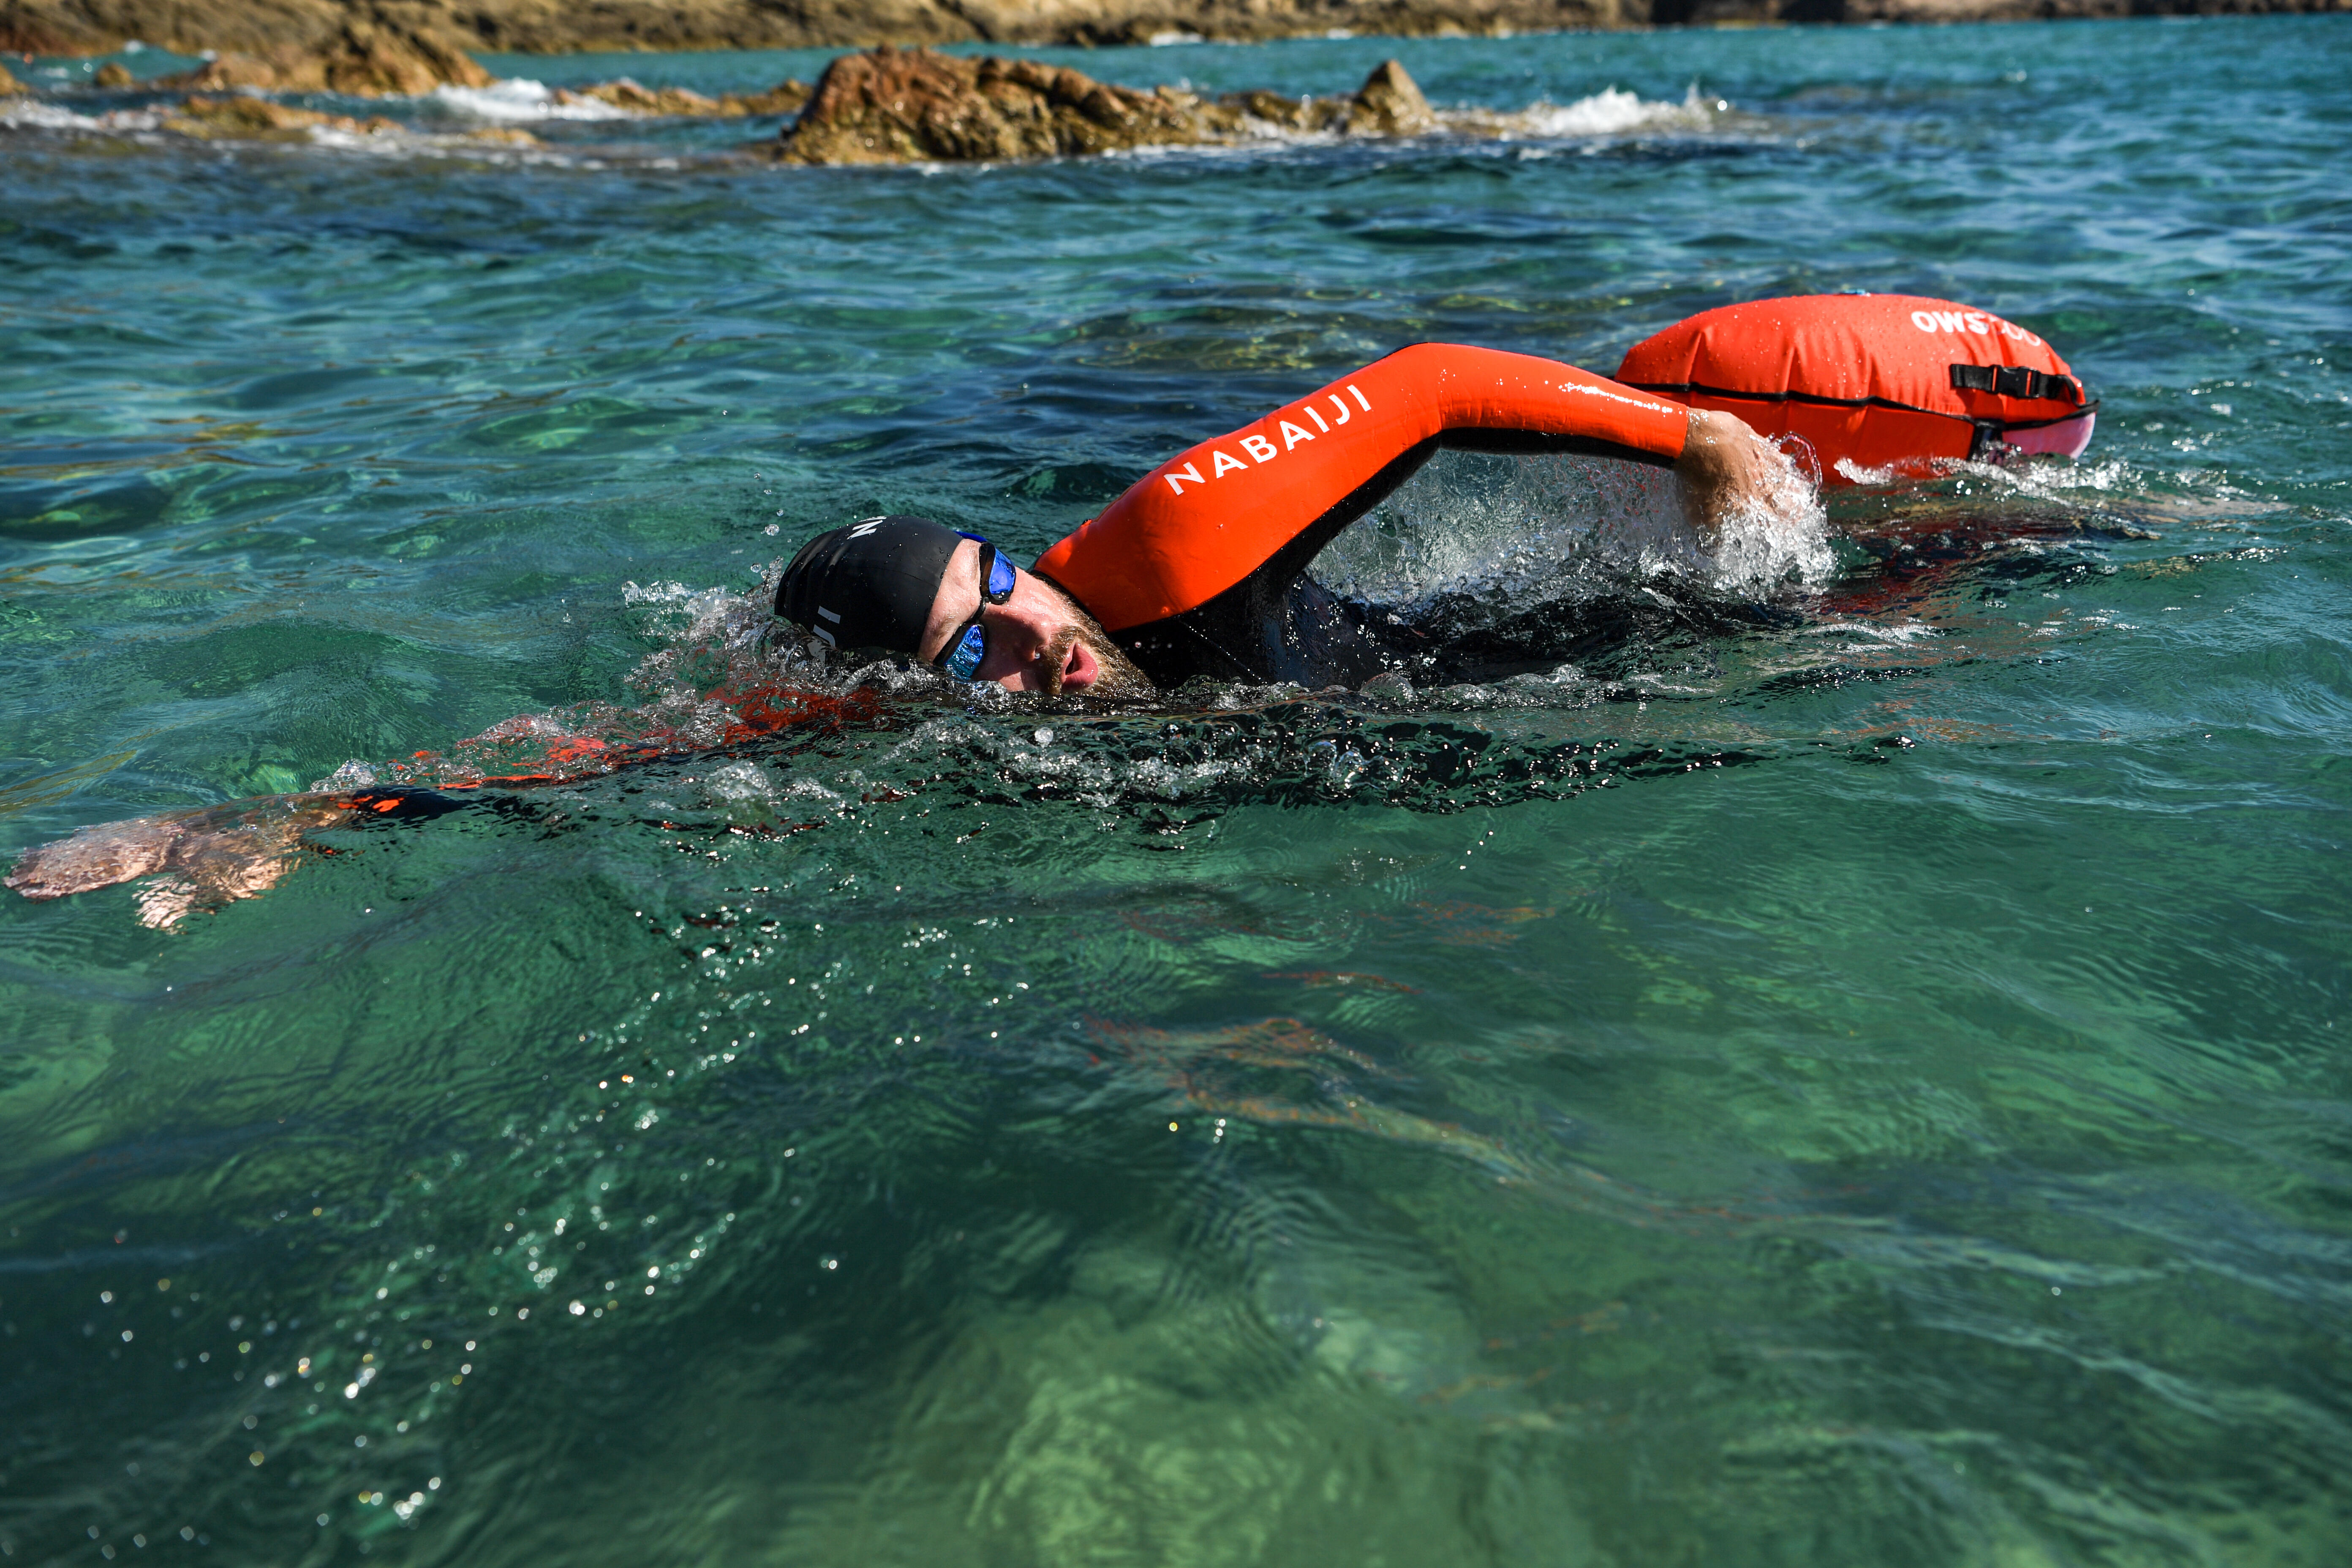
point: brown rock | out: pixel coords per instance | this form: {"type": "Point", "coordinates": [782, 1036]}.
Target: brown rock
{"type": "Point", "coordinates": [369, 58]}
{"type": "Point", "coordinates": [894, 106]}
{"type": "Point", "coordinates": [241, 118]}
{"type": "Point", "coordinates": [785, 98]}
{"type": "Point", "coordinates": [626, 94]}
{"type": "Point", "coordinates": [1274, 108]}
{"type": "Point", "coordinates": [9, 85]}
{"type": "Point", "coordinates": [114, 74]}
{"type": "Point", "coordinates": [1389, 104]}
{"type": "Point", "coordinates": [788, 96]}
{"type": "Point", "coordinates": [285, 68]}
{"type": "Point", "coordinates": [361, 56]}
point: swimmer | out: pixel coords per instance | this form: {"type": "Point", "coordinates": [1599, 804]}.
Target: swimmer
{"type": "Point", "coordinates": [1198, 569]}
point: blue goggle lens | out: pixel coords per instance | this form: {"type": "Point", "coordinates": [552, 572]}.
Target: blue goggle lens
{"type": "Point", "coordinates": [959, 661]}
{"type": "Point", "coordinates": [965, 658]}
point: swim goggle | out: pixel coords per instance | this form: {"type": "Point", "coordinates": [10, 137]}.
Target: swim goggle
{"type": "Point", "coordinates": [969, 646]}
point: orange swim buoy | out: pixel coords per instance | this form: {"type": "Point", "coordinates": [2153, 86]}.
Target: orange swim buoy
{"type": "Point", "coordinates": [1871, 381]}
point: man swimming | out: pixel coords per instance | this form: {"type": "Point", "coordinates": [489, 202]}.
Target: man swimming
{"type": "Point", "coordinates": [1198, 569]}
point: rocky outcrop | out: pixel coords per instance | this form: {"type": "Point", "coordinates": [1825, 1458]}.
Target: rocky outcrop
{"type": "Point", "coordinates": [9, 85]}
{"type": "Point", "coordinates": [895, 106]}
{"type": "Point", "coordinates": [257, 27]}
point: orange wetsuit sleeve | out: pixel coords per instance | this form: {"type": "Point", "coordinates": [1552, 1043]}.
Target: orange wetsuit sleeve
{"type": "Point", "coordinates": [1201, 523]}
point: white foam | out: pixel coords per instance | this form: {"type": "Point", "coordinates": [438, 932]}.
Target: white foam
{"type": "Point", "coordinates": [518, 98]}
{"type": "Point", "coordinates": [739, 781]}
{"type": "Point", "coordinates": [31, 114]}
{"type": "Point", "coordinates": [1613, 112]}
{"type": "Point", "coordinates": [353, 774]}
{"type": "Point", "coordinates": [1909, 631]}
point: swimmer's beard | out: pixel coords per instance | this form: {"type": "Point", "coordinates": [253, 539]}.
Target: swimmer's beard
{"type": "Point", "coordinates": [1118, 680]}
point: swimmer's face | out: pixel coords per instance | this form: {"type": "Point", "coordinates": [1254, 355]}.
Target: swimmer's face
{"type": "Point", "coordinates": [1038, 640]}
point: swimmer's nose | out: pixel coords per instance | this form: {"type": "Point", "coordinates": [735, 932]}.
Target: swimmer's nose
{"type": "Point", "coordinates": [1026, 636]}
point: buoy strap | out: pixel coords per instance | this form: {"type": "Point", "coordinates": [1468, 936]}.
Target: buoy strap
{"type": "Point", "coordinates": [2016, 381]}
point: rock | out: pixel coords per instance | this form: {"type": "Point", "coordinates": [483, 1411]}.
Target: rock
{"type": "Point", "coordinates": [785, 98]}
{"type": "Point", "coordinates": [285, 68]}
{"type": "Point", "coordinates": [1389, 104]}
{"type": "Point", "coordinates": [369, 58]}
{"type": "Point", "coordinates": [361, 57]}
{"type": "Point", "coordinates": [243, 119]}
{"type": "Point", "coordinates": [892, 106]}
{"type": "Point", "coordinates": [240, 118]}
{"type": "Point", "coordinates": [788, 96]}
{"type": "Point", "coordinates": [114, 74]}
{"type": "Point", "coordinates": [9, 85]}
{"type": "Point", "coordinates": [626, 94]}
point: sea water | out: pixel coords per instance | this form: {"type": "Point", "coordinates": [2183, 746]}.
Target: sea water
{"type": "Point", "coordinates": [1843, 1060]}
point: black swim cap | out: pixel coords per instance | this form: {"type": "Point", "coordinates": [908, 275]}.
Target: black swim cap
{"type": "Point", "coordinates": [870, 584]}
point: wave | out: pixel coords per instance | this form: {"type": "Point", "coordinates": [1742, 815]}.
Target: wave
{"type": "Point", "coordinates": [32, 114]}
{"type": "Point", "coordinates": [517, 99]}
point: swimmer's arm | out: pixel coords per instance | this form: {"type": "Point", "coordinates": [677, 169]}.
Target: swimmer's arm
{"type": "Point", "coordinates": [203, 859]}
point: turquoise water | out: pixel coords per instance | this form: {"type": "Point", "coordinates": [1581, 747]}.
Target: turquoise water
{"type": "Point", "coordinates": [1846, 1071]}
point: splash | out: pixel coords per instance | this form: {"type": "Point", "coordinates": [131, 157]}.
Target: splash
{"type": "Point", "coordinates": [1512, 533]}
{"type": "Point", "coordinates": [721, 672]}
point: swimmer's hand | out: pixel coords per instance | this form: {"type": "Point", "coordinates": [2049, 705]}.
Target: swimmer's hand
{"type": "Point", "coordinates": [193, 859]}
{"type": "Point", "coordinates": [1727, 469]}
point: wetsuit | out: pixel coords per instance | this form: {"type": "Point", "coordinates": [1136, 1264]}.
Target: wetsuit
{"type": "Point", "coordinates": [1200, 568]}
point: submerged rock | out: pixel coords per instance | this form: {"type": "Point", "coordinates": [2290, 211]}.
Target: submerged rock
{"type": "Point", "coordinates": [895, 106]}
{"type": "Point", "coordinates": [114, 74]}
